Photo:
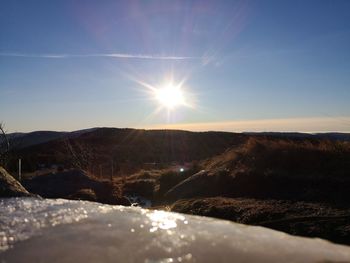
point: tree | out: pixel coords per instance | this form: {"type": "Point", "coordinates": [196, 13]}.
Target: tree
{"type": "Point", "coordinates": [81, 155]}
{"type": "Point", "coordinates": [4, 145]}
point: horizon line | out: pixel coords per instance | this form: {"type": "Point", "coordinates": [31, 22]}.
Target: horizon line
{"type": "Point", "coordinates": [311, 125]}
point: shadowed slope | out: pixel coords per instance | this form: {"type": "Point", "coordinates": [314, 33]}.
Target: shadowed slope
{"type": "Point", "coordinates": [279, 169]}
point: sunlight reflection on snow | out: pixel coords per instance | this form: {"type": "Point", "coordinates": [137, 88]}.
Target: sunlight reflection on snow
{"type": "Point", "coordinates": [184, 258]}
{"type": "Point", "coordinates": [163, 220]}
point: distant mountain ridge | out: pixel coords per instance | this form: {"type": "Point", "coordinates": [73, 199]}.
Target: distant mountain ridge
{"type": "Point", "coordinates": [21, 140]}
{"type": "Point", "coordinates": [295, 135]}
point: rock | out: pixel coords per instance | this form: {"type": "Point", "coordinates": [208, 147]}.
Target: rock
{"type": "Point", "coordinates": [60, 184]}
{"type": "Point", "coordinates": [84, 194]}
{"type": "Point", "coordinates": [142, 187]}
{"type": "Point", "coordinates": [113, 198]}
{"type": "Point", "coordinates": [34, 230]}
{"type": "Point", "coordinates": [76, 184]}
{"type": "Point", "coordinates": [10, 187]}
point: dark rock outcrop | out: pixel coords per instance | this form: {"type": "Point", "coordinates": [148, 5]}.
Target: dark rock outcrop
{"type": "Point", "coordinates": [60, 184]}
{"type": "Point", "coordinates": [75, 184]}
{"type": "Point", "coordinates": [10, 187]}
{"type": "Point", "coordinates": [84, 194]}
{"type": "Point", "coordinates": [142, 187]}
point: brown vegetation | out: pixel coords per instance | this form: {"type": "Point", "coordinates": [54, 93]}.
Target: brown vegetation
{"type": "Point", "coordinates": [280, 169]}
{"type": "Point", "coordinates": [297, 218]}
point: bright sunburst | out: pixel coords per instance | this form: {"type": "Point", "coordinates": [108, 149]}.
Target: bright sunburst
{"type": "Point", "coordinates": [170, 96]}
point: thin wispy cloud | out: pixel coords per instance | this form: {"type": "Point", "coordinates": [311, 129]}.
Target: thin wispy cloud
{"type": "Point", "coordinates": [99, 55]}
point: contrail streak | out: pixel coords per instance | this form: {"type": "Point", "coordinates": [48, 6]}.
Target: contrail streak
{"type": "Point", "coordinates": [106, 55]}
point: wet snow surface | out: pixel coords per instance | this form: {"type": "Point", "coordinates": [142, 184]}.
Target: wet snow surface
{"type": "Point", "coordinates": [35, 230]}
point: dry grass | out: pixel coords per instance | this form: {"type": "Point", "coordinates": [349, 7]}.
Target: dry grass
{"type": "Point", "coordinates": [299, 218]}
{"type": "Point", "coordinates": [299, 159]}
{"type": "Point", "coordinates": [275, 168]}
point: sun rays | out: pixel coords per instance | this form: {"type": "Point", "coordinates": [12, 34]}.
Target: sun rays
{"type": "Point", "coordinates": [170, 96]}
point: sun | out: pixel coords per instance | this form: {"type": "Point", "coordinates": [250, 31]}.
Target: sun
{"type": "Point", "coordinates": [170, 96]}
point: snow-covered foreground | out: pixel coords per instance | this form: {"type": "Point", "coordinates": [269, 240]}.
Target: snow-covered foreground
{"type": "Point", "coordinates": [35, 230]}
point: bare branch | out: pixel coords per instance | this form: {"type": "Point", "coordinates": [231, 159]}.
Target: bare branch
{"type": "Point", "coordinates": [5, 144]}
{"type": "Point", "coordinates": [81, 155]}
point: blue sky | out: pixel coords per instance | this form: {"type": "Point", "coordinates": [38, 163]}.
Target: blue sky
{"type": "Point", "coordinates": [247, 65]}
